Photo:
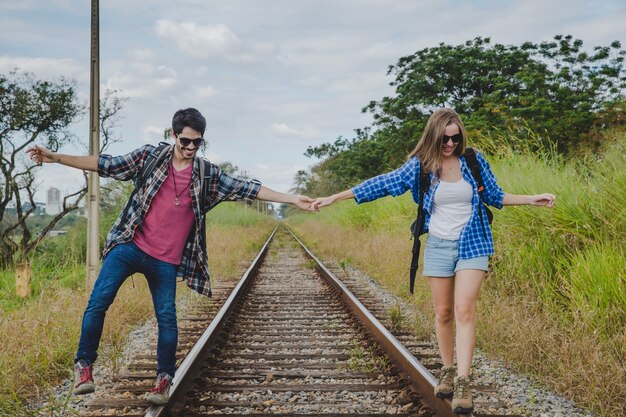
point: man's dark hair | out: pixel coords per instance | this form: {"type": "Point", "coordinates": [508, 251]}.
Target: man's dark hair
{"type": "Point", "coordinates": [188, 117]}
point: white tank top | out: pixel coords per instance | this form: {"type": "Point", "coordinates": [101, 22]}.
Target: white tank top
{"type": "Point", "coordinates": [452, 209]}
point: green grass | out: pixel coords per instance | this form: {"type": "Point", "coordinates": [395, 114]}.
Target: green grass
{"type": "Point", "coordinates": [59, 262]}
{"type": "Point", "coordinates": [554, 303]}
{"type": "Point", "coordinates": [572, 256]}
{"type": "Point", "coordinates": [44, 328]}
{"type": "Point", "coordinates": [235, 214]}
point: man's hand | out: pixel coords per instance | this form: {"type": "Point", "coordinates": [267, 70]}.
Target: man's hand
{"type": "Point", "coordinates": [39, 154]}
{"type": "Point", "coordinates": [305, 203]}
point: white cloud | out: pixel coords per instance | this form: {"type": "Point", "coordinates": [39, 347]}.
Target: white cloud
{"type": "Point", "coordinates": [283, 130]}
{"type": "Point", "coordinates": [141, 54]}
{"type": "Point", "coordinates": [198, 40]}
{"type": "Point", "coordinates": [149, 133]}
{"type": "Point", "coordinates": [213, 157]}
{"type": "Point", "coordinates": [212, 41]}
{"type": "Point", "coordinates": [139, 79]}
{"type": "Point", "coordinates": [205, 92]}
{"type": "Point", "coordinates": [45, 67]}
{"type": "Point", "coordinates": [278, 177]}
{"type": "Point", "coordinates": [309, 67]}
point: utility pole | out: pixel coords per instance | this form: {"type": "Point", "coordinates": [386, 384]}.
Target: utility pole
{"type": "Point", "coordinates": [93, 201]}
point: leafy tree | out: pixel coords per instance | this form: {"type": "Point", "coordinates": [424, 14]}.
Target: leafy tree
{"type": "Point", "coordinates": [37, 112]}
{"type": "Point", "coordinates": [228, 168]}
{"type": "Point", "coordinates": [554, 90]}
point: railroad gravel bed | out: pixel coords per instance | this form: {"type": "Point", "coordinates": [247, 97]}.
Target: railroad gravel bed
{"type": "Point", "coordinates": [522, 394]}
{"type": "Point", "coordinates": [288, 296]}
{"type": "Point", "coordinates": [60, 402]}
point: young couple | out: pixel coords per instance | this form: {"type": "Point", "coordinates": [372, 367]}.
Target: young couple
{"type": "Point", "coordinates": [160, 234]}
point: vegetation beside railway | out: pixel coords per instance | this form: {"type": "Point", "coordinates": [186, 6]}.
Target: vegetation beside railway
{"type": "Point", "coordinates": [40, 333]}
{"type": "Point", "coordinates": [553, 302]}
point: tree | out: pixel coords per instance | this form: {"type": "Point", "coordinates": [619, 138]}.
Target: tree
{"type": "Point", "coordinates": [228, 168]}
{"type": "Point", "coordinates": [37, 112]}
{"type": "Point", "coordinates": [553, 90]}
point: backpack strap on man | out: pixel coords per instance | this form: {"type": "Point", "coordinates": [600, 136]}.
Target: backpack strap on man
{"type": "Point", "coordinates": [204, 169]}
{"type": "Point", "coordinates": [148, 166]}
{"type": "Point", "coordinates": [151, 161]}
{"type": "Point", "coordinates": [417, 228]}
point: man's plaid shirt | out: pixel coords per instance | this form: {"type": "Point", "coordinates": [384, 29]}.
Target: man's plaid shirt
{"type": "Point", "coordinates": [476, 239]}
{"type": "Point", "coordinates": [194, 264]}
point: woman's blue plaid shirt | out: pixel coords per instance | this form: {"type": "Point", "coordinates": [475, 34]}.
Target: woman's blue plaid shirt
{"type": "Point", "coordinates": [476, 238]}
{"type": "Point", "coordinates": [194, 265]}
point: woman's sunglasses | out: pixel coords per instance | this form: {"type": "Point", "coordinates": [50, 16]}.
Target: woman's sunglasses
{"type": "Point", "coordinates": [186, 141]}
{"type": "Point", "coordinates": [455, 138]}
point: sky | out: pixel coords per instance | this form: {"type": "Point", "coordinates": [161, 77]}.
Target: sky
{"type": "Point", "coordinates": [272, 77]}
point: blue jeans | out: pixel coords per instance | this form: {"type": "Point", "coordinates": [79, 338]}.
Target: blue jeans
{"type": "Point", "coordinates": [123, 261]}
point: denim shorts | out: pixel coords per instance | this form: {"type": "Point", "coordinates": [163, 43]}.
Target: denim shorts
{"type": "Point", "coordinates": [441, 258]}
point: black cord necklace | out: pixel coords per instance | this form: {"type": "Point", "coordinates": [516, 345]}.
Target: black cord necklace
{"type": "Point", "coordinates": [176, 193]}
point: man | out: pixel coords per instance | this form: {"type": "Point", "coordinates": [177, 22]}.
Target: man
{"type": "Point", "coordinates": [160, 233]}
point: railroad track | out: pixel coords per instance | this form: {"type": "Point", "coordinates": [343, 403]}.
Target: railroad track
{"type": "Point", "coordinates": [290, 339]}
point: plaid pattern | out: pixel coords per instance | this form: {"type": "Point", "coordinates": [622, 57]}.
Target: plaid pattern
{"type": "Point", "coordinates": [476, 239]}
{"type": "Point", "coordinates": [221, 187]}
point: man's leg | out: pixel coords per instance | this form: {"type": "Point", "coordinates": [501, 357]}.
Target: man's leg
{"type": "Point", "coordinates": [161, 278]}
{"type": "Point", "coordinates": [119, 264]}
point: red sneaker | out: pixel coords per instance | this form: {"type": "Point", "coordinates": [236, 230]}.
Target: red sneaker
{"type": "Point", "coordinates": [83, 378]}
{"type": "Point", "coordinates": [160, 394]}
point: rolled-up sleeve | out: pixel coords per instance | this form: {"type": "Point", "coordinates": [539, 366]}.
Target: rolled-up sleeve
{"type": "Point", "coordinates": [393, 183]}
{"type": "Point", "coordinates": [231, 189]}
{"type": "Point", "coordinates": [123, 167]}
{"type": "Point", "coordinates": [493, 194]}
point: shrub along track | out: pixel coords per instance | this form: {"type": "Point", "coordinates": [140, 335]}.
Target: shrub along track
{"type": "Point", "coordinates": [290, 339]}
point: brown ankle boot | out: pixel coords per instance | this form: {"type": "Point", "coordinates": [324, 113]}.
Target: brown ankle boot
{"type": "Point", "coordinates": [462, 400]}
{"type": "Point", "coordinates": [445, 386]}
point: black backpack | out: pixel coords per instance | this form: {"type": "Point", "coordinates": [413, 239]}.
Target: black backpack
{"type": "Point", "coordinates": [417, 228]}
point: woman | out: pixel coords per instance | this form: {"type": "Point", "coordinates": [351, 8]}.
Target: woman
{"type": "Point", "coordinates": [459, 237]}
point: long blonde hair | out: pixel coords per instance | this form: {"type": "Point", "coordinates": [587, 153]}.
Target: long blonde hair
{"type": "Point", "coordinates": [428, 149]}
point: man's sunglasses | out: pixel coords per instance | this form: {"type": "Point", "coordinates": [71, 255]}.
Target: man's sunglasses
{"type": "Point", "coordinates": [186, 141]}
{"type": "Point", "coordinates": [455, 138]}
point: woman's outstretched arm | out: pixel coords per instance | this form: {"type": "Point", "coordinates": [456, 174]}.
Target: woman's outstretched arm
{"type": "Point", "coordinates": [545, 199]}
{"type": "Point", "coordinates": [327, 201]}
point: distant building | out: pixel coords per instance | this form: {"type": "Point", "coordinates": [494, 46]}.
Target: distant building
{"type": "Point", "coordinates": [53, 201]}
{"type": "Point", "coordinates": [40, 208]}
{"type": "Point", "coordinates": [57, 233]}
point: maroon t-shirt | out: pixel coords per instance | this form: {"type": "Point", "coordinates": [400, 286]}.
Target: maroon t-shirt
{"type": "Point", "coordinates": [166, 226]}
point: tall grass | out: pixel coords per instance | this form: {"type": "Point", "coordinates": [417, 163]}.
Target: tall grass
{"type": "Point", "coordinates": [40, 333]}
{"type": "Point", "coordinates": [573, 256]}
{"type": "Point", "coordinates": [235, 214]}
{"type": "Point", "coordinates": [554, 303]}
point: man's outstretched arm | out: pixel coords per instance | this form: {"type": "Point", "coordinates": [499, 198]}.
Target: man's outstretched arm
{"type": "Point", "coordinates": [301, 201]}
{"type": "Point", "coordinates": [39, 155]}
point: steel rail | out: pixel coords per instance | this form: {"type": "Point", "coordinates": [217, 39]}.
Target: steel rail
{"type": "Point", "coordinates": [184, 374]}
{"type": "Point", "coordinates": [419, 377]}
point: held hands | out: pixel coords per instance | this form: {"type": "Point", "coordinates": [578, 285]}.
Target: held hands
{"type": "Point", "coordinates": [323, 202]}
{"type": "Point", "coordinates": [39, 154]}
{"type": "Point", "coordinates": [545, 199]}
{"type": "Point", "coordinates": [305, 203]}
